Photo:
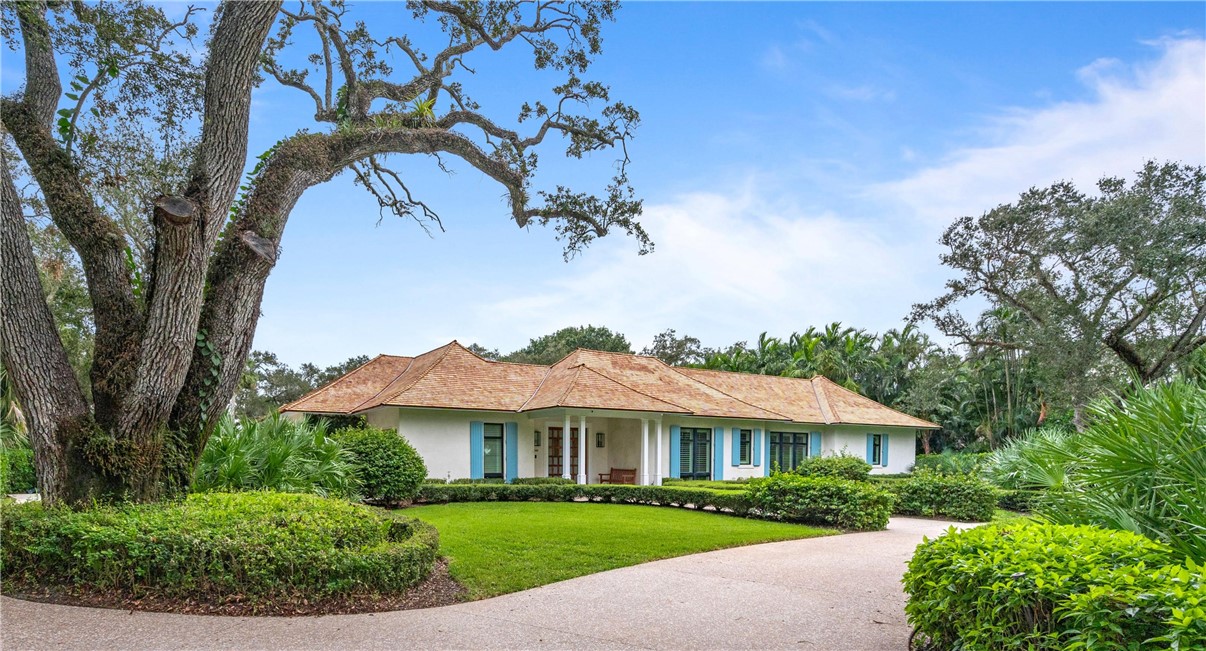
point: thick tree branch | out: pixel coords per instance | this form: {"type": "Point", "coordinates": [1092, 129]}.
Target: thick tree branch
{"type": "Point", "coordinates": [33, 355]}
{"type": "Point", "coordinates": [42, 87]}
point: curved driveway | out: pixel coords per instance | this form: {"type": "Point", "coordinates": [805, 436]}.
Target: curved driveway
{"type": "Point", "coordinates": [836, 592]}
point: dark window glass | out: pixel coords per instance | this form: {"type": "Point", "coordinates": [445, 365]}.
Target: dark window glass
{"type": "Point", "coordinates": [746, 447]}
{"type": "Point", "coordinates": [492, 451]}
{"type": "Point", "coordinates": [788, 449]}
{"type": "Point", "coordinates": [695, 453]}
{"type": "Point", "coordinates": [877, 449]}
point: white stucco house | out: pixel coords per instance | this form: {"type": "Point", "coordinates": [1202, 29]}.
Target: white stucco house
{"type": "Point", "coordinates": [471, 417]}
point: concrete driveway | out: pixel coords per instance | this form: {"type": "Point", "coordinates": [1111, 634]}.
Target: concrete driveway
{"type": "Point", "coordinates": [838, 592]}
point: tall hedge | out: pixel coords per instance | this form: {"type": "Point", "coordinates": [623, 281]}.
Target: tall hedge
{"type": "Point", "coordinates": [1044, 587]}
{"type": "Point", "coordinates": [854, 505]}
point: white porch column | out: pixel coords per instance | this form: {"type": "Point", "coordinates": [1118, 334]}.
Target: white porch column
{"type": "Point", "coordinates": [644, 451]}
{"type": "Point", "coordinates": [565, 448]}
{"type": "Point", "coordinates": [582, 449]}
{"type": "Point", "coordinates": [657, 469]}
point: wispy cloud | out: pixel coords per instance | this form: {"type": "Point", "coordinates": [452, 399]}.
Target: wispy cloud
{"type": "Point", "coordinates": [1151, 110]}
{"type": "Point", "coordinates": [861, 93]}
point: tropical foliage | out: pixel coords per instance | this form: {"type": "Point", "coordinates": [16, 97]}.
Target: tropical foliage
{"type": "Point", "coordinates": [275, 454]}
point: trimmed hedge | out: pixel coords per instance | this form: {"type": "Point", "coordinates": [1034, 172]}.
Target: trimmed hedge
{"type": "Point", "coordinates": [963, 463]}
{"type": "Point", "coordinates": [698, 498]}
{"type": "Point", "coordinates": [214, 545]}
{"type": "Point", "coordinates": [539, 481]}
{"type": "Point", "coordinates": [927, 493]}
{"type": "Point", "coordinates": [387, 466]}
{"type": "Point", "coordinates": [838, 466]}
{"type": "Point", "coordinates": [1046, 587]}
{"type": "Point", "coordinates": [17, 474]}
{"type": "Point", "coordinates": [852, 505]}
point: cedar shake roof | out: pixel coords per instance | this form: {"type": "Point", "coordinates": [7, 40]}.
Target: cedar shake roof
{"type": "Point", "coordinates": [451, 377]}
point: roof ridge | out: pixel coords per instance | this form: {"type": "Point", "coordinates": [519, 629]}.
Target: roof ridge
{"type": "Point", "coordinates": [856, 393]}
{"type": "Point", "coordinates": [724, 393]}
{"type": "Point", "coordinates": [634, 390]}
{"type": "Point", "coordinates": [569, 386]}
{"type": "Point", "coordinates": [497, 361]}
{"type": "Point", "coordinates": [377, 395]}
{"type": "Point", "coordinates": [827, 411]}
{"type": "Point", "coordinates": [547, 372]}
{"type": "Point", "coordinates": [328, 385]}
{"type": "Point", "coordinates": [447, 347]}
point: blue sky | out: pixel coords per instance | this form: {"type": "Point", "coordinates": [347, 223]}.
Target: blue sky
{"type": "Point", "coordinates": [798, 163]}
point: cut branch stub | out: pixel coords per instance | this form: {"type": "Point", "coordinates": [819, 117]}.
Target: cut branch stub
{"type": "Point", "coordinates": [176, 210]}
{"type": "Point", "coordinates": [261, 246]}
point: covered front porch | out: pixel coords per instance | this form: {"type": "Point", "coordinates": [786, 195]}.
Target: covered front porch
{"type": "Point", "coordinates": [598, 442]}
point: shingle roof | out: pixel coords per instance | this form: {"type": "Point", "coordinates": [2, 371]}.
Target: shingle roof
{"type": "Point", "coordinates": [451, 377]}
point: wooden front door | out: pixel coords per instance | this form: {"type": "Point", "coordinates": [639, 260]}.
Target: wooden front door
{"type": "Point", "coordinates": [555, 458]}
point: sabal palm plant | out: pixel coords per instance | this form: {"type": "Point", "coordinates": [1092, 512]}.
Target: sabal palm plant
{"type": "Point", "coordinates": [275, 454]}
{"type": "Point", "coordinates": [1141, 466]}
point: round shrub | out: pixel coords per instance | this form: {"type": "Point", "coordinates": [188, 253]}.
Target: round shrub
{"type": "Point", "coordinates": [852, 505]}
{"type": "Point", "coordinates": [388, 467]}
{"type": "Point", "coordinates": [961, 497]}
{"type": "Point", "coordinates": [840, 466]}
{"type": "Point", "coordinates": [216, 545]}
{"type": "Point", "coordinates": [1046, 587]}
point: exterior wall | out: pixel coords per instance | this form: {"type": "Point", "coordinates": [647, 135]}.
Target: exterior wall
{"type": "Point", "coordinates": [441, 436]}
{"type": "Point", "coordinates": [902, 444]}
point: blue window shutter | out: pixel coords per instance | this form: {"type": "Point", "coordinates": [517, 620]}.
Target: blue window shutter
{"type": "Point", "coordinates": [476, 443]}
{"type": "Point", "coordinates": [814, 444]}
{"type": "Point", "coordinates": [718, 454]}
{"type": "Point", "coordinates": [736, 446]}
{"type": "Point", "coordinates": [757, 452]}
{"type": "Point", "coordinates": [675, 452]}
{"type": "Point", "coordinates": [883, 451]}
{"type": "Point", "coordinates": [511, 451]}
{"type": "Point", "coordinates": [766, 467]}
{"type": "Point", "coordinates": [870, 448]}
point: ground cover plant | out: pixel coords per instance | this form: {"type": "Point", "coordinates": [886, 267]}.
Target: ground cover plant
{"type": "Point", "coordinates": [1038, 586]}
{"type": "Point", "coordinates": [275, 454]}
{"type": "Point", "coordinates": [535, 543]}
{"type": "Point", "coordinates": [386, 466]}
{"type": "Point", "coordinates": [261, 547]}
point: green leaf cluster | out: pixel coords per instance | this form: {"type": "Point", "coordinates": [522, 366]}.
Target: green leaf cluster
{"type": "Point", "coordinates": [839, 466]}
{"type": "Point", "coordinates": [961, 497]}
{"type": "Point", "coordinates": [1046, 587]}
{"type": "Point", "coordinates": [387, 467]}
{"type": "Point", "coordinates": [257, 545]}
{"type": "Point", "coordinates": [842, 503]}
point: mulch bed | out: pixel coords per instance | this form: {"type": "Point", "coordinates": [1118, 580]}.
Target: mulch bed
{"type": "Point", "coordinates": [438, 590]}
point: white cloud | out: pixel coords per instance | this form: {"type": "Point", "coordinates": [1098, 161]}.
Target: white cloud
{"type": "Point", "coordinates": [863, 93]}
{"type": "Point", "coordinates": [727, 266]}
{"type": "Point", "coordinates": [1153, 110]}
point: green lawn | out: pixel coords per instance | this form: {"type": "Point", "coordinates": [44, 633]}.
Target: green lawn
{"type": "Point", "coordinates": [499, 547]}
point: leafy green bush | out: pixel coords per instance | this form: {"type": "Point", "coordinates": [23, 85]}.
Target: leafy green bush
{"type": "Point", "coordinates": [1020, 500]}
{"type": "Point", "coordinates": [842, 503]}
{"type": "Point", "coordinates": [1141, 466]}
{"type": "Point", "coordinates": [17, 474]}
{"type": "Point", "coordinates": [536, 481]}
{"type": "Point", "coordinates": [466, 480]}
{"type": "Point", "coordinates": [929, 493]}
{"type": "Point", "coordinates": [274, 454]}
{"type": "Point", "coordinates": [1046, 587]}
{"type": "Point", "coordinates": [951, 462]}
{"type": "Point", "coordinates": [840, 466]}
{"type": "Point", "coordinates": [388, 468]}
{"type": "Point", "coordinates": [214, 545]}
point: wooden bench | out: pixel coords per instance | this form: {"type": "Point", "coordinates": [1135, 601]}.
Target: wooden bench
{"type": "Point", "coordinates": [618, 476]}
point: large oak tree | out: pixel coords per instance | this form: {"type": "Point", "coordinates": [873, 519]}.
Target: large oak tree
{"type": "Point", "coordinates": [1104, 282]}
{"type": "Point", "coordinates": [173, 330]}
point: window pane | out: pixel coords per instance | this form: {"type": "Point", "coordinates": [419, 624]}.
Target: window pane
{"type": "Point", "coordinates": [747, 446]}
{"type": "Point", "coordinates": [492, 450]}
